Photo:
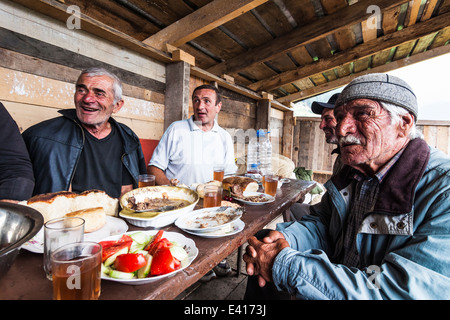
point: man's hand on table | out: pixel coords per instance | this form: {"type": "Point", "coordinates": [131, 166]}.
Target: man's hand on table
{"type": "Point", "coordinates": [260, 255]}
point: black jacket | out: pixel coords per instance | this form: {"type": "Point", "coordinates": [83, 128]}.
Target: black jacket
{"type": "Point", "coordinates": [16, 173]}
{"type": "Point", "coordinates": [55, 146]}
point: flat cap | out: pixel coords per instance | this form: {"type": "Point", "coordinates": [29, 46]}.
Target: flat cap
{"type": "Point", "coordinates": [380, 86]}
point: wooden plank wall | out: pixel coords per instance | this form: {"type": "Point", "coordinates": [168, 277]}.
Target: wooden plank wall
{"type": "Point", "coordinates": [40, 60]}
{"type": "Point", "coordinates": [312, 152]}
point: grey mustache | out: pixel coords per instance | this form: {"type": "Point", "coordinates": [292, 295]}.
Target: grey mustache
{"type": "Point", "coordinates": [349, 140]}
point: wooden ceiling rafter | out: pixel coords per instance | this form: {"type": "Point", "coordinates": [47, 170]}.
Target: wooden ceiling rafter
{"type": "Point", "coordinates": [354, 53]}
{"type": "Point", "coordinates": [206, 18]}
{"type": "Point", "coordinates": [285, 48]}
{"type": "Point", "coordinates": [339, 82]}
{"type": "Point", "coordinates": [316, 30]}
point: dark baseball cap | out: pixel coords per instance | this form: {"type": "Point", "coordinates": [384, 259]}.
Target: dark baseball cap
{"type": "Point", "coordinates": [317, 107]}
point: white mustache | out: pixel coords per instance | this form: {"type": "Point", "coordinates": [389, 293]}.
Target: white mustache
{"type": "Point", "coordinates": [349, 140]}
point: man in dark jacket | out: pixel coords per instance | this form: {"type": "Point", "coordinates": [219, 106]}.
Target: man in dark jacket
{"type": "Point", "coordinates": [16, 172]}
{"type": "Point", "coordinates": [86, 148]}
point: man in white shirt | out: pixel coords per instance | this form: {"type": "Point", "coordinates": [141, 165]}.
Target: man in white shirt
{"type": "Point", "coordinates": [189, 149]}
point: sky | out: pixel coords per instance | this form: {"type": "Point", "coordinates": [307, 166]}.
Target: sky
{"type": "Point", "coordinates": [429, 81]}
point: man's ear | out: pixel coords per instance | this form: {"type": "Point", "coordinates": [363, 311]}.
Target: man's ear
{"type": "Point", "coordinates": [406, 123]}
{"type": "Point", "coordinates": [118, 106]}
{"type": "Point", "coordinates": [218, 106]}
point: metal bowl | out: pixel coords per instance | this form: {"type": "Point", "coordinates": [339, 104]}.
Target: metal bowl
{"type": "Point", "coordinates": [18, 224]}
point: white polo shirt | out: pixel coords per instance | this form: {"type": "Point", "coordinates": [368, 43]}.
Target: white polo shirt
{"type": "Point", "coordinates": [187, 153]}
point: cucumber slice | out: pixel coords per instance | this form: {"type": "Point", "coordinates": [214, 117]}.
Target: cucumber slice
{"type": "Point", "coordinates": [121, 275]}
{"type": "Point", "coordinates": [180, 254]}
{"type": "Point", "coordinates": [136, 246]}
{"type": "Point", "coordinates": [140, 237]}
{"type": "Point", "coordinates": [106, 270]}
{"type": "Point", "coordinates": [145, 270]}
{"type": "Point", "coordinates": [111, 259]}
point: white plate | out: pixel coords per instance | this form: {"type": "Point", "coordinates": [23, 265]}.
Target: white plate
{"type": "Point", "coordinates": [193, 220]}
{"type": "Point", "coordinates": [181, 240]}
{"type": "Point", "coordinates": [236, 227]}
{"type": "Point", "coordinates": [248, 194]}
{"type": "Point", "coordinates": [112, 227]}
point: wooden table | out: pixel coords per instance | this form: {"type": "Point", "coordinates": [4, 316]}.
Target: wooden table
{"type": "Point", "coordinates": [26, 279]}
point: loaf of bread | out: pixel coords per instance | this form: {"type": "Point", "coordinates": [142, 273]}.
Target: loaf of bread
{"type": "Point", "coordinates": [94, 218]}
{"type": "Point", "coordinates": [238, 185]}
{"type": "Point", "coordinates": [58, 204]}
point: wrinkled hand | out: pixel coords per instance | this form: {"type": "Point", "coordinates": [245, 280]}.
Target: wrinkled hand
{"type": "Point", "coordinates": [260, 255]}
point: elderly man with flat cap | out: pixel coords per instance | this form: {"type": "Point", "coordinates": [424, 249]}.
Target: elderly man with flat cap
{"type": "Point", "coordinates": [382, 229]}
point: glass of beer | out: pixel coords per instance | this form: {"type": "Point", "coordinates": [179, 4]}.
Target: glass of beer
{"type": "Point", "coordinates": [219, 172]}
{"type": "Point", "coordinates": [212, 197]}
{"type": "Point", "coordinates": [270, 184]}
{"type": "Point", "coordinates": [59, 232]}
{"type": "Point", "coordinates": [146, 180]}
{"type": "Point", "coordinates": [77, 271]}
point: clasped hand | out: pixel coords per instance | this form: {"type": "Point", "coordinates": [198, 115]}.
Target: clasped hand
{"type": "Point", "coordinates": [260, 255]}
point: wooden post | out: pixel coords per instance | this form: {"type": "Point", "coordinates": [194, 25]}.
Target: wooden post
{"type": "Point", "coordinates": [288, 134]}
{"type": "Point", "coordinates": [177, 92]}
{"type": "Point", "coordinates": [263, 114]}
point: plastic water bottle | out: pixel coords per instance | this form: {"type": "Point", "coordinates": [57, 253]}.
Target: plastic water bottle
{"type": "Point", "coordinates": [265, 153]}
{"type": "Point", "coordinates": [253, 155]}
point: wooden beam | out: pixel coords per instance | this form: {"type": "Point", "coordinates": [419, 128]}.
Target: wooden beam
{"type": "Point", "coordinates": [383, 68]}
{"type": "Point", "coordinates": [304, 35]}
{"type": "Point", "coordinates": [204, 19]}
{"type": "Point", "coordinates": [57, 10]}
{"type": "Point", "coordinates": [263, 114]}
{"type": "Point", "coordinates": [288, 134]}
{"type": "Point", "coordinates": [177, 93]}
{"type": "Point", "coordinates": [366, 49]}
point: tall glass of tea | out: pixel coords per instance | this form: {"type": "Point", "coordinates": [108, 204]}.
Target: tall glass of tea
{"type": "Point", "coordinates": [219, 172]}
{"type": "Point", "coordinates": [76, 271]}
{"type": "Point", "coordinates": [212, 197]}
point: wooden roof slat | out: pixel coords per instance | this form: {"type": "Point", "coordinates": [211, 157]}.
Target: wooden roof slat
{"type": "Point", "coordinates": [423, 43]}
{"type": "Point", "coordinates": [288, 48]}
{"type": "Point", "coordinates": [413, 12]}
{"type": "Point", "coordinates": [365, 49]}
{"type": "Point", "coordinates": [441, 38]}
{"type": "Point", "coordinates": [390, 20]}
{"type": "Point", "coordinates": [58, 11]}
{"type": "Point", "coordinates": [404, 50]}
{"type": "Point", "coordinates": [199, 22]}
{"type": "Point", "coordinates": [335, 83]}
{"type": "Point", "coordinates": [302, 36]}
{"type": "Point", "coordinates": [331, 6]}
{"type": "Point", "coordinates": [428, 10]}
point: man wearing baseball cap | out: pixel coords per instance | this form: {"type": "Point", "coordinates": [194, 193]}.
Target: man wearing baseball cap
{"type": "Point", "coordinates": [328, 126]}
{"type": "Point", "coordinates": [382, 229]}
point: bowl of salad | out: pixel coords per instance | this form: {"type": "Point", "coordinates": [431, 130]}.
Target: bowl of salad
{"type": "Point", "coordinates": [140, 257]}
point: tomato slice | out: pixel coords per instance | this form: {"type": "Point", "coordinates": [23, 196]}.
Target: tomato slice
{"type": "Point", "coordinates": [163, 243]}
{"type": "Point", "coordinates": [154, 241]}
{"type": "Point", "coordinates": [163, 262]}
{"type": "Point", "coordinates": [129, 262]}
{"type": "Point", "coordinates": [111, 247]}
